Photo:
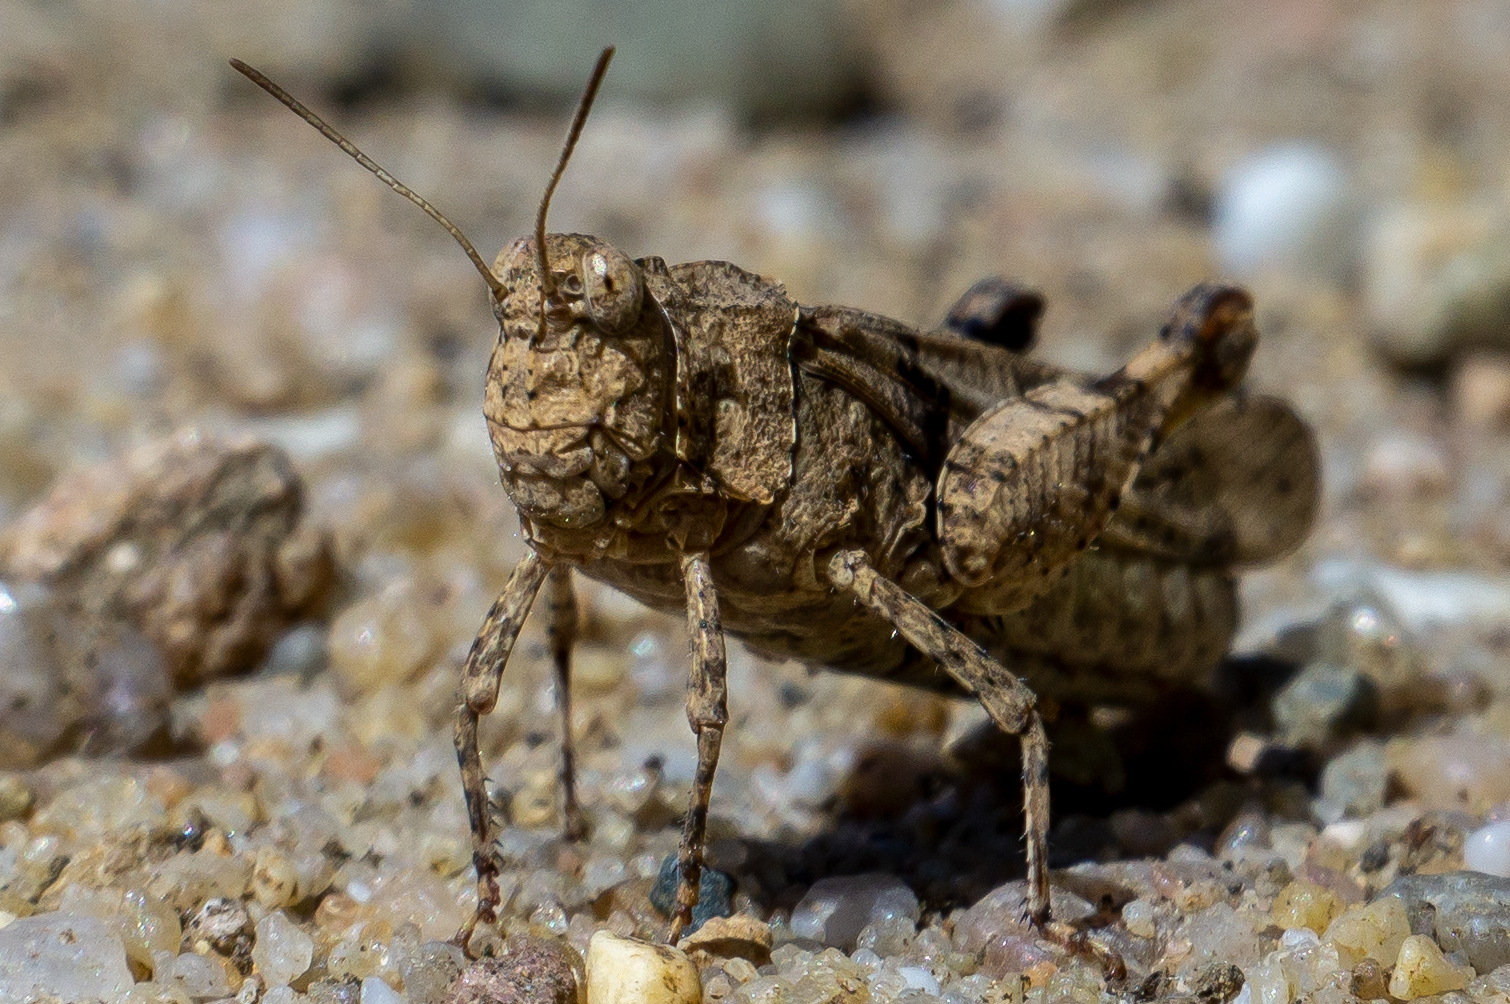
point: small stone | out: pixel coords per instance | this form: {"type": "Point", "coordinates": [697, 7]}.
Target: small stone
{"type": "Point", "coordinates": [15, 795]}
{"type": "Point", "coordinates": [1303, 904]}
{"type": "Point", "coordinates": [153, 992]}
{"type": "Point", "coordinates": [1375, 931]}
{"type": "Point", "coordinates": [1369, 981]}
{"type": "Point", "coordinates": [1470, 913]}
{"type": "Point", "coordinates": [98, 805]}
{"type": "Point", "coordinates": [382, 639]}
{"type": "Point", "coordinates": [200, 976]}
{"type": "Point", "coordinates": [1469, 772]}
{"type": "Point", "coordinates": [64, 956]}
{"type": "Point", "coordinates": [193, 542]}
{"type": "Point", "coordinates": [714, 892]}
{"type": "Point", "coordinates": [1323, 703]}
{"type": "Point", "coordinates": [1487, 849]}
{"type": "Point", "coordinates": [1138, 917]}
{"type": "Point", "coordinates": [223, 925]}
{"type": "Point", "coordinates": [283, 995]}
{"type": "Point", "coordinates": [740, 936]}
{"type": "Point", "coordinates": [1353, 784]}
{"type": "Point", "coordinates": [1219, 934]}
{"type": "Point", "coordinates": [375, 991]}
{"type": "Point", "coordinates": [1422, 970]}
{"type": "Point", "coordinates": [147, 926]}
{"type": "Point", "coordinates": [275, 879]}
{"type": "Point", "coordinates": [1289, 207]}
{"type": "Point", "coordinates": [530, 971]}
{"type": "Point", "coordinates": [598, 669]}
{"type": "Point", "coordinates": [630, 971]}
{"type": "Point", "coordinates": [1000, 913]}
{"type": "Point", "coordinates": [429, 971]}
{"type": "Point", "coordinates": [1217, 983]}
{"type": "Point", "coordinates": [1437, 279]}
{"type": "Point", "coordinates": [1480, 391]}
{"type": "Point", "coordinates": [836, 910]}
{"type": "Point", "coordinates": [282, 951]}
{"type": "Point", "coordinates": [335, 991]}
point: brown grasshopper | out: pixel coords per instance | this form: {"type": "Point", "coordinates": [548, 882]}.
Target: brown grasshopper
{"type": "Point", "coordinates": [840, 488]}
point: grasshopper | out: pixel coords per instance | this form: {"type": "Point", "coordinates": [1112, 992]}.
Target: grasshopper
{"type": "Point", "coordinates": [839, 488]}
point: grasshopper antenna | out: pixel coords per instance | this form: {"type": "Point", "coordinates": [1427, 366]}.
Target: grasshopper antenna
{"type": "Point", "coordinates": [584, 106]}
{"type": "Point", "coordinates": [256, 76]}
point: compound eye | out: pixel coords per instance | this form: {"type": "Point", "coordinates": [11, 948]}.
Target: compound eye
{"type": "Point", "coordinates": [613, 288]}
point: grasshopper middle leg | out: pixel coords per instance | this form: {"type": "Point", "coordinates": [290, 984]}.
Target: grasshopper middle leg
{"type": "Point", "coordinates": [561, 633]}
{"type": "Point", "coordinates": [480, 680]}
{"type": "Point", "coordinates": [707, 713]}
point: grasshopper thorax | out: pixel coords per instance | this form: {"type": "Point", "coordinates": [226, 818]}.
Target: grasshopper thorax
{"type": "Point", "coordinates": [580, 380]}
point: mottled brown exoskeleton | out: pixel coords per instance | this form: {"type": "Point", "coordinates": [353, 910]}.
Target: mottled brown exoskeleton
{"type": "Point", "coordinates": [840, 488]}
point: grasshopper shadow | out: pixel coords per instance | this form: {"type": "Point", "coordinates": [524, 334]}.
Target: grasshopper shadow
{"type": "Point", "coordinates": [950, 824]}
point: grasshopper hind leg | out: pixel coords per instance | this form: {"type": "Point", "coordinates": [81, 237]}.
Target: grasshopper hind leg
{"type": "Point", "coordinates": [1011, 705]}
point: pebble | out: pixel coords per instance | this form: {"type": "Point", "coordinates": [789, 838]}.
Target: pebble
{"type": "Point", "coordinates": [1287, 207]}
{"type": "Point", "coordinates": [1353, 783]}
{"type": "Point", "coordinates": [836, 910]}
{"type": "Point", "coordinates": [1471, 913]}
{"type": "Point", "coordinates": [147, 926]}
{"type": "Point", "coordinates": [1138, 917]}
{"type": "Point", "coordinates": [1436, 278]}
{"type": "Point", "coordinates": [375, 991]}
{"type": "Point", "coordinates": [1454, 771]}
{"type": "Point", "coordinates": [16, 796]}
{"type": "Point", "coordinates": [1487, 849]}
{"type": "Point", "coordinates": [383, 639]}
{"type": "Point", "coordinates": [153, 992]}
{"type": "Point", "coordinates": [33, 709]}
{"type": "Point", "coordinates": [1304, 904]}
{"type": "Point", "coordinates": [144, 536]}
{"type": "Point", "coordinates": [1421, 970]}
{"type": "Point", "coordinates": [1000, 912]}
{"type": "Point", "coordinates": [630, 971]}
{"type": "Point", "coordinates": [200, 976]}
{"type": "Point", "coordinates": [1479, 390]}
{"type": "Point", "coordinates": [1375, 931]}
{"type": "Point", "coordinates": [429, 970]}
{"type": "Point", "coordinates": [64, 956]}
{"type": "Point", "coordinates": [740, 936]}
{"type": "Point", "coordinates": [222, 924]}
{"type": "Point", "coordinates": [531, 970]}
{"type": "Point", "coordinates": [714, 889]}
{"type": "Point", "coordinates": [1323, 703]}
{"type": "Point", "coordinates": [98, 805]}
{"type": "Point", "coordinates": [282, 951]}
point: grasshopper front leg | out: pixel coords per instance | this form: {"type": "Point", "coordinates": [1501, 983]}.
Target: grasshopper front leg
{"type": "Point", "coordinates": [707, 713]}
{"type": "Point", "coordinates": [480, 680]}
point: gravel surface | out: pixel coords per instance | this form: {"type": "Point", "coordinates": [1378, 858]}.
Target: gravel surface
{"type": "Point", "coordinates": [250, 520]}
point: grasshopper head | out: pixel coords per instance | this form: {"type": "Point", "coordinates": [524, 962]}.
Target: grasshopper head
{"type": "Point", "coordinates": [580, 380]}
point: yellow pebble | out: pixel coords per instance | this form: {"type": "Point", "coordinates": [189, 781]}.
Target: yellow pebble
{"type": "Point", "coordinates": [631, 971]}
{"type": "Point", "coordinates": [1305, 904]}
{"type": "Point", "coordinates": [1374, 932]}
{"type": "Point", "coordinates": [1422, 970]}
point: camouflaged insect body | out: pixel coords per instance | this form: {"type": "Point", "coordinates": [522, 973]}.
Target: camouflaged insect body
{"type": "Point", "coordinates": [711, 412]}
